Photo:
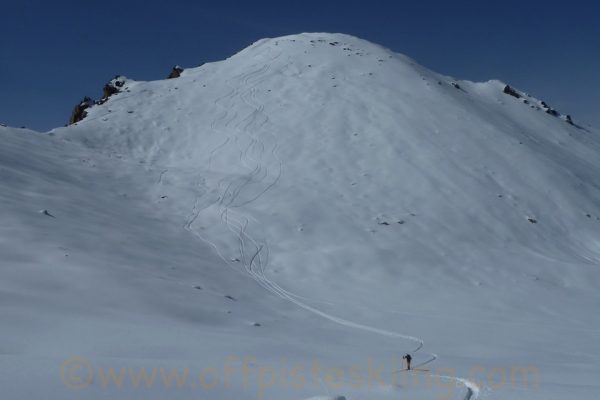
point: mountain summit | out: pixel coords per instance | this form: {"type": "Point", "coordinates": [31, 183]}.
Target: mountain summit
{"type": "Point", "coordinates": [314, 186]}
{"type": "Point", "coordinates": [371, 135]}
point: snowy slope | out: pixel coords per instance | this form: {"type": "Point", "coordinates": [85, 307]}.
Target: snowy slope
{"type": "Point", "coordinates": [313, 197]}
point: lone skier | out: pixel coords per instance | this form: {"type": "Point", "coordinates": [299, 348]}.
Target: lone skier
{"type": "Point", "coordinates": [408, 359]}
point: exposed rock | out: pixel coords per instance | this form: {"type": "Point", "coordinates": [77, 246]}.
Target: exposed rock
{"type": "Point", "coordinates": [549, 110]}
{"type": "Point", "coordinates": [569, 120]}
{"type": "Point", "coordinates": [175, 72]}
{"type": "Point", "coordinates": [79, 112]}
{"type": "Point", "coordinates": [47, 213]}
{"type": "Point", "coordinates": [112, 87]}
{"type": "Point", "coordinates": [108, 91]}
{"type": "Point", "coordinates": [512, 92]}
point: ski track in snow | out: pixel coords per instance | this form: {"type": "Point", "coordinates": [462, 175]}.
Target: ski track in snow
{"type": "Point", "coordinates": [255, 254]}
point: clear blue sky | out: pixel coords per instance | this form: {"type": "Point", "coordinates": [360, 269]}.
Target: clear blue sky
{"type": "Point", "coordinates": [55, 52]}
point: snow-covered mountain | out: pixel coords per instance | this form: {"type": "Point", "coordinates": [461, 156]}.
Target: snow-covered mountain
{"type": "Point", "coordinates": [298, 217]}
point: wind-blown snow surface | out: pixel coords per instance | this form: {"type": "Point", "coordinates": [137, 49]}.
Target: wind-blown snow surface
{"type": "Point", "coordinates": [315, 201]}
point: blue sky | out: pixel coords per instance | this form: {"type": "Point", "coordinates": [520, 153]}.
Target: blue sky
{"type": "Point", "coordinates": [55, 52]}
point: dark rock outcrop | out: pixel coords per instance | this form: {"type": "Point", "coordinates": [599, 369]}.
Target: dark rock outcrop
{"type": "Point", "coordinates": [549, 110]}
{"type": "Point", "coordinates": [108, 91]}
{"type": "Point", "coordinates": [115, 85]}
{"type": "Point", "coordinates": [112, 87]}
{"type": "Point", "coordinates": [569, 120]}
{"type": "Point", "coordinates": [79, 112]}
{"type": "Point", "coordinates": [175, 72]}
{"type": "Point", "coordinates": [512, 92]}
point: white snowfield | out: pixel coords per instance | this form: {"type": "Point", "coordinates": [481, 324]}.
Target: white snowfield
{"type": "Point", "coordinates": [288, 223]}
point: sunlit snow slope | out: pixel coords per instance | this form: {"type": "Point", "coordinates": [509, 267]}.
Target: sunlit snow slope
{"type": "Point", "coordinates": [314, 201]}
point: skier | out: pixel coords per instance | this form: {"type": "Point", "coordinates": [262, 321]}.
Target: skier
{"type": "Point", "coordinates": [408, 359]}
